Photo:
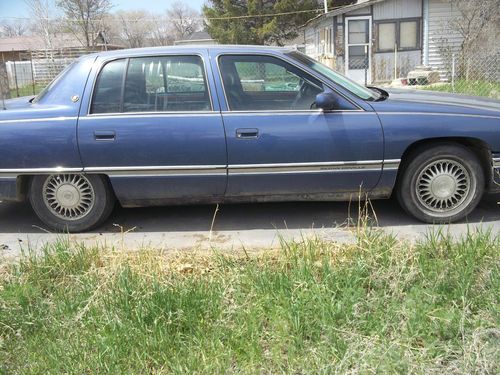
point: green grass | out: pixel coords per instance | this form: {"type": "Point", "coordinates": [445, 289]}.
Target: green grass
{"type": "Point", "coordinates": [476, 88]}
{"type": "Point", "coordinates": [26, 90]}
{"type": "Point", "coordinates": [375, 306]}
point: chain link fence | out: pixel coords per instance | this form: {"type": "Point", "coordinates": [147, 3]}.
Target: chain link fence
{"type": "Point", "coordinates": [470, 74]}
{"type": "Point", "coordinates": [476, 74]}
{"type": "Point", "coordinates": [33, 70]}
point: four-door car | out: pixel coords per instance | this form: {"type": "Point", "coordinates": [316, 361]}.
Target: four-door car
{"type": "Point", "coordinates": [179, 125]}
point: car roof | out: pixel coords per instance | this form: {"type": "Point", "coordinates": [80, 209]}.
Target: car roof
{"type": "Point", "coordinates": [192, 49]}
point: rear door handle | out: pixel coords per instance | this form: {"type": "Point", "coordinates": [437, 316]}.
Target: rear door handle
{"type": "Point", "coordinates": [247, 133]}
{"type": "Point", "coordinates": [100, 135]}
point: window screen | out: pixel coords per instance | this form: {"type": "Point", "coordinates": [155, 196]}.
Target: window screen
{"type": "Point", "coordinates": [358, 32]}
{"type": "Point", "coordinates": [358, 57]}
{"type": "Point", "coordinates": [386, 36]}
{"type": "Point", "coordinates": [108, 88]}
{"type": "Point", "coordinates": [408, 34]}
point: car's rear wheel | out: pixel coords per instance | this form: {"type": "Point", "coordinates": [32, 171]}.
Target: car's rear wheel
{"type": "Point", "coordinates": [71, 202]}
{"type": "Point", "coordinates": [441, 184]}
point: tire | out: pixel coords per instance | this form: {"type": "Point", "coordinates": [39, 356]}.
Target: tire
{"type": "Point", "coordinates": [441, 184]}
{"type": "Point", "coordinates": [71, 202]}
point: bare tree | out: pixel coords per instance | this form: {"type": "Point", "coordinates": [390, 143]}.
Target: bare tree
{"type": "Point", "coordinates": [161, 33]}
{"type": "Point", "coordinates": [85, 17]}
{"type": "Point", "coordinates": [133, 28]}
{"type": "Point", "coordinates": [11, 29]}
{"type": "Point", "coordinates": [477, 27]}
{"type": "Point", "coordinates": [184, 19]}
{"type": "Point", "coordinates": [43, 25]}
{"type": "Point", "coordinates": [478, 18]}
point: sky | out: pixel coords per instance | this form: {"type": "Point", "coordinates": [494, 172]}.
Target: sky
{"type": "Point", "coordinates": [18, 8]}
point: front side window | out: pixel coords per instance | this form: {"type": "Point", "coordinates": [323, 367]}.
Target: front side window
{"type": "Point", "coordinates": [152, 84]}
{"type": "Point", "coordinates": [348, 84]}
{"type": "Point", "coordinates": [266, 83]}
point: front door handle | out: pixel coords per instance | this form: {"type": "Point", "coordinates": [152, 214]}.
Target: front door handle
{"type": "Point", "coordinates": [247, 133]}
{"type": "Point", "coordinates": [100, 135]}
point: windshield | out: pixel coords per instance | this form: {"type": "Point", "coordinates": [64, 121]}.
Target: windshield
{"type": "Point", "coordinates": [358, 90]}
{"type": "Point", "coordinates": [51, 85]}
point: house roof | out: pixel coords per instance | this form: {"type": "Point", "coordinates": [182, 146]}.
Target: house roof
{"type": "Point", "coordinates": [196, 36]}
{"type": "Point", "coordinates": [200, 35]}
{"type": "Point", "coordinates": [344, 9]}
{"type": "Point", "coordinates": [34, 42]}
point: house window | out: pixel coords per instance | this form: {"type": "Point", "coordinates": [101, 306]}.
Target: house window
{"type": "Point", "coordinates": [386, 36]}
{"type": "Point", "coordinates": [403, 33]}
{"type": "Point", "coordinates": [408, 35]}
{"type": "Point", "coordinates": [325, 45]}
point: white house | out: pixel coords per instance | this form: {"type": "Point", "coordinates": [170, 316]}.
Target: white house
{"type": "Point", "coordinates": [375, 40]}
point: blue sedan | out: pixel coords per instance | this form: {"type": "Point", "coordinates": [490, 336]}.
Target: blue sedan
{"type": "Point", "coordinates": [178, 125]}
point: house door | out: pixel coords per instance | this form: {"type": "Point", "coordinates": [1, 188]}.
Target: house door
{"type": "Point", "coordinates": [358, 49]}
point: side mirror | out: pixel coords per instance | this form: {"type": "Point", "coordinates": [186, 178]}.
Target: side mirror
{"type": "Point", "coordinates": [326, 101]}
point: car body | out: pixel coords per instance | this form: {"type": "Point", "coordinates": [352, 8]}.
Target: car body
{"type": "Point", "coordinates": [178, 125]}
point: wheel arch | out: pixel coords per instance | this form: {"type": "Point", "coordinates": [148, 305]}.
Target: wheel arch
{"type": "Point", "coordinates": [479, 147]}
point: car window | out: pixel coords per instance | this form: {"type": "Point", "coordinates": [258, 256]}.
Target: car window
{"type": "Point", "coordinates": [108, 88]}
{"type": "Point", "coordinates": [166, 83]}
{"type": "Point", "coordinates": [258, 76]}
{"type": "Point", "coordinates": [355, 88]}
{"type": "Point", "coordinates": [262, 82]}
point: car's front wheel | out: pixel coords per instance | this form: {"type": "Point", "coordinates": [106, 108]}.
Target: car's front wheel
{"type": "Point", "coordinates": [441, 184]}
{"type": "Point", "coordinates": [71, 202]}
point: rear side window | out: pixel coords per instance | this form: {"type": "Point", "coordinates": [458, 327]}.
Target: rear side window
{"type": "Point", "coordinates": [152, 84]}
{"type": "Point", "coordinates": [165, 84]}
{"type": "Point", "coordinates": [108, 88]}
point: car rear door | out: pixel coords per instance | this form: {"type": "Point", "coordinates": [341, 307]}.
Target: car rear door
{"type": "Point", "coordinates": [151, 125]}
{"type": "Point", "coordinates": [280, 145]}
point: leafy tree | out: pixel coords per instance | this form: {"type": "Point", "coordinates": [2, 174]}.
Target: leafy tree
{"type": "Point", "coordinates": [275, 29]}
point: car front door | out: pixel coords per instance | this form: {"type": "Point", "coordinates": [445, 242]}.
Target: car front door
{"type": "Point", "coordinates": [151, 126]}
{"type": "Point", "coordinates": [279, 144]}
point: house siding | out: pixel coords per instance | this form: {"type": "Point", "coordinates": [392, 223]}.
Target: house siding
{"type": "Point", "coordinates": [438, 34]}
{"type": "Point", "coordinates": [383, 62]}
{"type": "Point", "coordinates": [383, 67]}
{"type": "Point", "coordinates": [392, 9]}
{"type": "Point", "coordinates": [311, 37]}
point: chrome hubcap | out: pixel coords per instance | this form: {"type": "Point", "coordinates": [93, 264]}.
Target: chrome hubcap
{"type": "Point", "coordinates": [70, 197]}
{"type": "Point", "coordinates": [443, 186]}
